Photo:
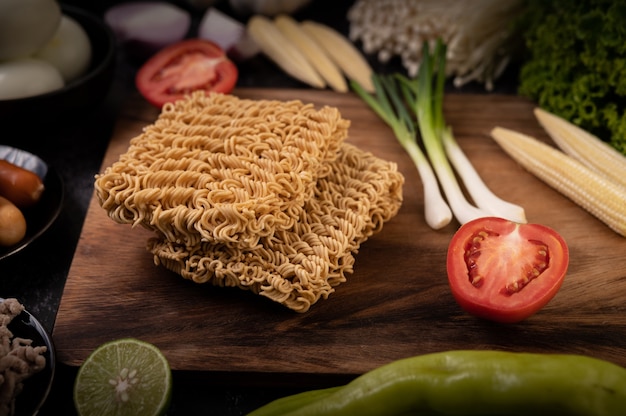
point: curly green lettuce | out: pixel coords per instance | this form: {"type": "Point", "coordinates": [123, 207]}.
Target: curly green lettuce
{"type": "Point", "coordinates": [575, 65]}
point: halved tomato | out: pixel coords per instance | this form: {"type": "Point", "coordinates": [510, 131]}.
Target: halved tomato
{"type": "Point", "coordinates": [505, 271]}
{"type": "Point", "coordinates": [184, 67]}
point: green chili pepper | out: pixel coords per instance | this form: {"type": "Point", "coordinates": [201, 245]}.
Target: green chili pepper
{"type": "Point", "coordinates": [476, 382]}
{"type": "Point", "coordinates": [294, 402]}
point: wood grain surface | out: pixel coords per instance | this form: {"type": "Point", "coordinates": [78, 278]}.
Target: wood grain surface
{"type": "Point", "coordinates": [397, 302]}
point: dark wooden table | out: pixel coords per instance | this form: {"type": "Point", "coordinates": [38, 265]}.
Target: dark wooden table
{"type": "Point", "coordinates": [395, 304]}
{"type": "Point", "coordinates": [397, 293]}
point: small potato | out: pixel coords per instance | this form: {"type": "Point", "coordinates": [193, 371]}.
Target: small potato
{"type": "Point", "coordinates": [12, 223]}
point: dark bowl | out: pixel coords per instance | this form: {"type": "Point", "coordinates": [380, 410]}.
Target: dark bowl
{"type": "Point", "coordinates": [37, 387]}
{"type": "Point", "coordinates": [77, 97]}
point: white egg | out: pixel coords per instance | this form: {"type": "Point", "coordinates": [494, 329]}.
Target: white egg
{"type": "Point", "coordinates": [69, 50]}
{"type": "Point", "coordinates": [26, 25]}
{"type": "Point", "coordinates": [27, 77]}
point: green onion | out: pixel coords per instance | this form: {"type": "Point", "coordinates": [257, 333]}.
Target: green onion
{"type": "Point", "coordinates": [424, 97]}
{"type": "Point", "coordinates": [389, 106]}
{"type": "Point", "coordinates": [428, 107]}
{"type": "Point", "coordinates": [478, 190]}
{"type": "Point", "coordinates": [487, 202]}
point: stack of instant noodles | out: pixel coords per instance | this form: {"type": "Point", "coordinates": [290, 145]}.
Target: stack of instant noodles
{"type": "Point", "coordinates": [263, 195]}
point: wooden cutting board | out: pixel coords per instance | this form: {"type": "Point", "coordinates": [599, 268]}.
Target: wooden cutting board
{"type": "Point", "coordinates": [397, 302]}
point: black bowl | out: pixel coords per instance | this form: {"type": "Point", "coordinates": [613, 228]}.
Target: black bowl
{"type": "Point", "coordinates": [38, 386]}
{"type": "Point", "coordinates": [45, 212]}
{"type": "Point", "coordinates": [77, 97]}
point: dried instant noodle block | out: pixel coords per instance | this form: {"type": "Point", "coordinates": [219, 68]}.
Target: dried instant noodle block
{"type": "Point", "coordinates": [221, 169]}
{"type": "Point", "coordinates": [298, 266]}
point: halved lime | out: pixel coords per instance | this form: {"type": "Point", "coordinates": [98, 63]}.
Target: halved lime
{"type": "Point", "coordinates": [124, 377]}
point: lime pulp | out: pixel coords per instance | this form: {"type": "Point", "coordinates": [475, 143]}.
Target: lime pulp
{"type": "Point", "coordinates": [123, 377]}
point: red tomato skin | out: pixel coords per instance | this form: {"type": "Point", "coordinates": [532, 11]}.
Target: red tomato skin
{"type": "Point", "coordinates": [484, 302]}
{"type": "Point", "coordinates": [158, 91]}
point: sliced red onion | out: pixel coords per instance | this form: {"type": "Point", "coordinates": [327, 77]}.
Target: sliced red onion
{"type": "Point", "coordinates": [228, 33]}
{"type": "Point", "coordinates": [145, 27]}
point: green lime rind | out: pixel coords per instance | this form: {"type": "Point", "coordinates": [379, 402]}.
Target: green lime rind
{"type": "Point", "coordinates": [124, 377]}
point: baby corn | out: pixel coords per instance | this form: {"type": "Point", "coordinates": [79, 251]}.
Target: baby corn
{"type": "Point", "coordinates": [584, 146]}
{"type": "Point", "coordinates": [601, 197]}
{"type": "Point", "coordinates": [280, 50]}
{"type": "Point", "coordinates": [342, 52]}
{"type": "Point", "coordinates": [314, 53]}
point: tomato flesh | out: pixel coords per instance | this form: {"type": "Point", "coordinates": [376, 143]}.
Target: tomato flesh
{"type": "Point", "coordinates": [505, 271]}
{"type": "Point", "coordinates": [184, 67]}
{"type": "Point", "coordinates": [190, 72]}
